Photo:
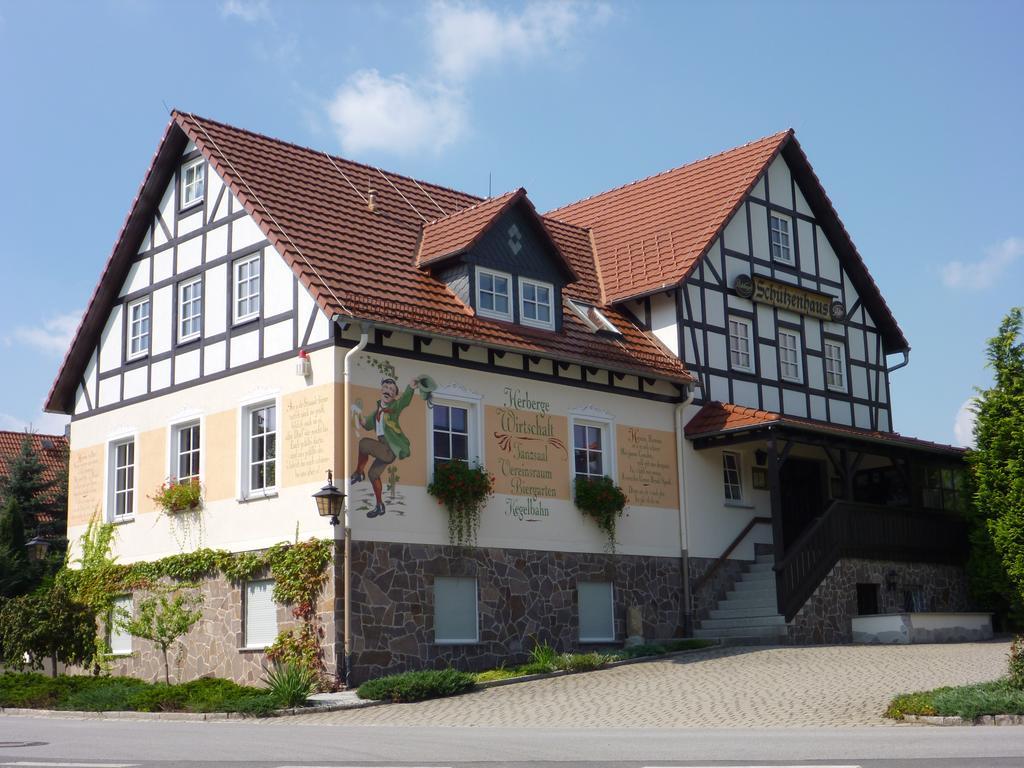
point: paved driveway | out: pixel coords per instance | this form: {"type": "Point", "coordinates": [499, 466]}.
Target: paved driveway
{"type": "Point", "coordinates": [837, 685]}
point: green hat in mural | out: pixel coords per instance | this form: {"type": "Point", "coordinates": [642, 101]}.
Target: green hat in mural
{"type": "Point", "coordinates": [427, 386]}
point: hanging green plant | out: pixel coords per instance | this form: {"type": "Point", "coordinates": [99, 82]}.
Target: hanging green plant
{"type": "Point", "coordinates": [463, 489]}
{"type": "Point", "coordinates": [173, 497]}
{"type": "Point", "coordinates": [603, 500]}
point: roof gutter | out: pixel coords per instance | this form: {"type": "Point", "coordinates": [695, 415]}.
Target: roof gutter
{"type": "Point", "coordinates": [689, 381]}
{"type": "Point", "coordinates": [906, 359]}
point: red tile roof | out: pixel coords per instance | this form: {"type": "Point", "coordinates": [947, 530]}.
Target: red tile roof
{"type": "Point", "coordinates": [651, 233]}
{"type": "Point", "coordinates": [460, 231]}
{"type": "Point", "coordinates": [715, 418]}
{"type": "Point", "coordinates": [362, 264]}
{"type": "Point", "coordinates": [52, 451]}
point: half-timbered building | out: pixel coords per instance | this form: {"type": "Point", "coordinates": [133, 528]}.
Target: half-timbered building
{"type": "Point", "coordinates": [709, 338]}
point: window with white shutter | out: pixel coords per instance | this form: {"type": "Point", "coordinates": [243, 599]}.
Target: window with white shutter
{"type": "Point", "coordinates": [260, 614]}
{"type": "Point", "coordinates": [596, 611]}
{"type": "Point", "coordinates": [455, 610]}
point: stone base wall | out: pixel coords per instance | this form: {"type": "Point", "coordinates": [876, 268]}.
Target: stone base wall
{"type": "Point", "coordinates": [524, 596]}
{"type": "Point", "coordinates": [827, 616]}
{"type": "Point", "coordinates": [215, 646]}
{"type": "Point", "coordinates": [707, 596]}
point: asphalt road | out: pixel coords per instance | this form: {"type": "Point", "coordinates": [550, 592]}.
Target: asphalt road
{"type": "Point", "coordinates": [61, 743]}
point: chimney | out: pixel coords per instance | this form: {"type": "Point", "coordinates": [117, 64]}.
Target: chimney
{"type": "Point", "coordinates": [371, 200]}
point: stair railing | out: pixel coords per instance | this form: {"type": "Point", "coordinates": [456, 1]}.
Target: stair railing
{"type": "Point", "coordinates": [701, 580]}
{"type": "Point", "coordinates": [869, 531]}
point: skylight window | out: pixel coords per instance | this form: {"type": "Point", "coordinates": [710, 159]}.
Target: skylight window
{"type": "Point", "coordinates": [592, 317]}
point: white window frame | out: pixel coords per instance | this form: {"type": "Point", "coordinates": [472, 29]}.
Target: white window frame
{"type": "Point", "coordinates": [798, 377]}
{"type": "Point", "coordinates": [491, 313]}
{"type": "Point", "coordinates": [113, 633]}
{"type": "Point", "coordinates": [174, 453]}
{"type": "Point", "coordinates": [523, 283]}
{"type": "Point", "coordinates": [131, 336]}
{"type": "Point", "coordinates": [235, 267]}
{"type": "Point", "coordinates": [111, 479]}
{"type": "Point", "coordinates": [247, 492]}
{"type": "Point", "coordinates": [192, 165]}
{"type": "Point", "coordinates": [607, 427]}
{"type": "Point", "coordinates": [246, 642]}
{"type": "Point", "coordinates": [839, 362]}
{"type": "Point", "coordinates": [476, 613]}
{"type": "Point", "coordinates": [727, 485]}
{"type": "Point", "coordinates": [196, 300]}
{"type": "Point", "coordinates": [611, 597]}
{"type": "Point", "coordinates": [749, 328]}
{"type": "Point", "coordinates": [453, 397]}
{"type": "Point", "coordinates": [785, 249]}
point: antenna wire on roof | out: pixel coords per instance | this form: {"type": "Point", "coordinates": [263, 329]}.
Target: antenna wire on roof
{"type": "Point", "coordinates": [270, 216]}
{"type": "Point", "coordinates": [421, 189]}
{"type": "Point", "coordinates": [414, 208]}
{"type": "Point", "coordinates": [346, 178]}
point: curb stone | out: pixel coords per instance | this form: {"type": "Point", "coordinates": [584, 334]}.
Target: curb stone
{"type": "Point", "coordinates": [956, 720]}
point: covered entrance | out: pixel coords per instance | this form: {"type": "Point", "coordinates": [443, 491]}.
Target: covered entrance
{"type": "Point", "coordinates": [841, 492]}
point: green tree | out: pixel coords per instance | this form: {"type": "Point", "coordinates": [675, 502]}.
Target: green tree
{"type": "Point", "coordinates": [16, 574]}
{"type": "Point", "coordinates": [24, 482]}
{"type": "Point", "coordinates": [162, 620]}
{"type": "Point", "coordinates": [997, 468]}
{"type": "Point", "coordinates": [46, 624]}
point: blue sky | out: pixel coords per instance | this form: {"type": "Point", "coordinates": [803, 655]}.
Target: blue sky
{"type": "Point", "coordinates": [910, 112]}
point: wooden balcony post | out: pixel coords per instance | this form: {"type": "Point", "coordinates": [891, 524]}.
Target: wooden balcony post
{"type": "Point", "coordinates": [775, 491]}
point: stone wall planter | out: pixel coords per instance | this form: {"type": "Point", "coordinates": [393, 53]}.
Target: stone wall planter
{"type": "Point", "coordinates": [924, 627]}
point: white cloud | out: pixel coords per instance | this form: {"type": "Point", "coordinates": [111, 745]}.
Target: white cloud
{"type": "Point", "coordinates": [371, 112]}
{"type": "Point", "coordinates": [984, 273]}
{"type": "Point", "coordinates": [249, 11]}
{"type": "Point", "coordinates": [464, 37]}
{"type": "Point", "coordinates": [52, 337]}
{"type": "Point", "coordinates": [963, 425]}
{"type": "Point", "coordinates": [403, 114]}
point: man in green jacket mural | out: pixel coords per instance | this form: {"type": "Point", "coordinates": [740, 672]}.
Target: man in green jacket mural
{"type": "Point", "coordinates": [389, 442]}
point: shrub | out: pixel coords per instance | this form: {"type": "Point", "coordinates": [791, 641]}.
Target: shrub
{"type": "Point", "coordinates": [910, 704]}
{"type": "Point", "coordinates": [647, 649]}
{"type": "Point", "coordinates": [290, 684]}
{"type": "Point", "coordinates": [417, 686]}
{"type": "Point", "coordinates": [173, 496]}
{"type": "Point", "coordinates": [544, 657]}
{"type": "Point", "coordinates": [463, 489]}
{"type": "Point", "coordinates": [46, 624]}
{"type": "Point", "coordinates": [603, 500]}
{"type": "Point", "coordinates": [583, 662]}
{"type": "Point", "coordinates": [102, 694]}
{"type": "Point", "coordinates": [1016, 662]}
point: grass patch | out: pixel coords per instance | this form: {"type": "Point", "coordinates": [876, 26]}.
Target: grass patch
{"type": "Point", "coordinates": [107, 694]}
{"type": "Point", "coordinates": [998, 697]}
{"type": "Point", "coordinates": [417, 686]}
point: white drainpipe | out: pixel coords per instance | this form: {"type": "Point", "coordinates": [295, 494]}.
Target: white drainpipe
{"type": "Point", "coordinates": [346, 375]}
{"type": "Point", "coordinates": [684, 535]}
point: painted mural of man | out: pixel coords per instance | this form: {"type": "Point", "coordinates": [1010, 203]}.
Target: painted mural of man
{"type": "Point", "coordinates": [389, 442]}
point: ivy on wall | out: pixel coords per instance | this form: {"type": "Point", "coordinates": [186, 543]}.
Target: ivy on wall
{"type": "Point", "coordinates": [299, 571]}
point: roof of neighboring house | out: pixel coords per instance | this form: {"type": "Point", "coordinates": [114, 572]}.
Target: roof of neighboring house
{"type": "Point", "coordinates": [651, 234]}
{"type": "Point", "coordinates": [52, 451]}
{"type": "Point", "coordinates": [362, 264]}
{"type": "Point", "coordinates": [716, 419]}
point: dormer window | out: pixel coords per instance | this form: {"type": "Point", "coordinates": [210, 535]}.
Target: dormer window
{"type": "Point", "coordinates": [493, 294]}
{"type": "Point", "coordinates": [193, 182]}
{"type": "Point", "coordinates": [535, 300]}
